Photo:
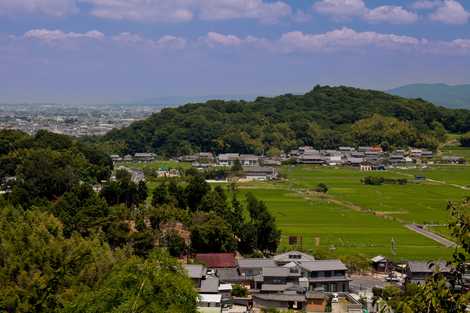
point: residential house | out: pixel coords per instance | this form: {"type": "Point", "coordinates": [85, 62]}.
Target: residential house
{"type": "Point", "coordinates": [249, 160]}
{"type": "Point", "coordinates": [115, 158]}
{"type": "Point", "coordinates": [397, 158]}
{"type": "Point", "coordinates": [312, 158]}
{"type": "Point", "coordinates": [326, 275]}
{"type": "Point", "coordinates": [144, 157]}
{"type": "Point", "coordinates": [316, 301]}
{"type": "Point", "coordinates": [380, 264]}
{"type": "Point", "coordinates": [260, 173]}
{"type": "Point", "coordinates": [288, 257]}
{"type": "Point", "coordinates": [196, 272]}
{"type": "Point", "coordinates": [283, 301]}
{"type": "Point", "coordinates": [453, 160]}
{"type": "Point", "coordinates": [426, 154]}
{"type": "Point", "coordinates": [254, 266]}
{"type": "Point", "coordinates": [210, 285]}
{"type": "Point", "coordinates": [209, 303]}
{"type": "Point", "coordinates": [416, 153]}
{"type": "Point", "coordinates": [346, 149]}
{"type": "Point", "coordinates": [271, 162]}
{"type": "Point", "coordinates": [217, 260]}
{"type": "Point", "coordinates": [417, 271]}
{"type": "Point", "coordinates": [227, 159]}
{"type": "Point", "coordinates": [356, 162]}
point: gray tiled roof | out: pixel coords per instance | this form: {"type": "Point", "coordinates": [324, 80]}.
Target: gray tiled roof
{"type": "Point", "coordinates": [286, 257]}
{"type": "Point", "coordinates": [256, 263]}
{"type": "Point", "coordinates": [279, 297]}
{"type": "Point", "coordinates": [328, 279]}
{"type": "Point", "coordinates": [324, 265]}
{"type": "Point", "coordinates": [275, 272]}
{"type": "Point", "coordinates": [210, 285]}
{"type": "Point", "coordinates": [274, 287]}
{"type": "Point", "coordinates": [229, 275]}
{"type": "Point", "coordinates": [194, 270]}
{"type": "Point", "coordinates": [425, 267]}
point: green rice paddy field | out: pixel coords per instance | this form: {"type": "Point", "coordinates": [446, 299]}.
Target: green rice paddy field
{"type": "Point", "coordinates": [357, 219]}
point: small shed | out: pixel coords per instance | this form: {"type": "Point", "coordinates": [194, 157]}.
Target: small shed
{"type": "Point", "coordinates": [381, 264]}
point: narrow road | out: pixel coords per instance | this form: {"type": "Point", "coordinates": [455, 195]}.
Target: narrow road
{"type": "Point", "coordinates": [443, 241]}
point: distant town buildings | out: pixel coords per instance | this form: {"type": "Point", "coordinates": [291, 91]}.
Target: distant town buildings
{"type": "Point", "coordinates": [77, 121]}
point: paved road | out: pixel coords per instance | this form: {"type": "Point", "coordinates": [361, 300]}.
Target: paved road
{"type": "Point", "coordinates": [443, 241]}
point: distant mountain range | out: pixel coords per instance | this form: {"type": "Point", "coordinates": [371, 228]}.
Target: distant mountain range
{"type": "Point", "coordinates": [451, 96]}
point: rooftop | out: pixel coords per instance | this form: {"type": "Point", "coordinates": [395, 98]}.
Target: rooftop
{"type": "Point", "coordinates": [324, 265]}
{"type": "Point", "coordinates": [210, 285]}
{"type": "Point", "coordinates": [275, 272]}
{"type": "Point", "coordinates": [293, 256]}
{"type": "Point", "coordinates": [217, 260]}
{"type": "Point", "coordinates": [195, 270]}
{"type": "Point", "coordinates": [256, 263]}
{"type": "Point", "coordinates": [427, 267]}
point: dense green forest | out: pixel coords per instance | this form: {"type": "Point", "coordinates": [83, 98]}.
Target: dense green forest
{"type": "Point", "coordinates": [80, 236]}
{"type": "Point", "coordinates": [325, 117]}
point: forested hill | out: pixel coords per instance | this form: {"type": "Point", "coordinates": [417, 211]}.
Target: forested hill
{"type": "Point", "coordinates": [325, 117]}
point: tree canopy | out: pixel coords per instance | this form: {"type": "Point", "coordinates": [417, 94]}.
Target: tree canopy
{"type": "Point", "coordinates": [325, 117]}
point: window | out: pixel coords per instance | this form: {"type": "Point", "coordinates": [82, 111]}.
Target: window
{"type": "Point", "coordinates": [295, 256]}
{"type": "Point", "coordinates": [327, 274]}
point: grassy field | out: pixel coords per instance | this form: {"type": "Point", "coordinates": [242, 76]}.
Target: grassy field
{"type": "Point", "coordinates": [447, 174]}
{"type": "Point", "coordinates": [345, 230]}
{"type": "Point", "coordinates": [416, 202]}
{"type": "Point", "coordinates": [354, 218]}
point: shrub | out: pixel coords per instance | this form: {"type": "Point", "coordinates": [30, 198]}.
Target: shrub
{"type": "Point", "coordinates": [321, 187]}
{"type": "Point", "coordinates": [239, 291]}
{"type": "Point", "coordinates": [375, 181]}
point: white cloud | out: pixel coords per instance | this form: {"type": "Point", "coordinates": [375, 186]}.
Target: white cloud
{"type": "Point", "coordinates": [426, 4]}
{"type": "Point", "coordinates": [48, 7]}
{"type": "Point", "coordinates": [233, 9]}
{"type": "Point", "coordinates": [142, 10]}
{"type": "Point", "coordinates": [450, 12]}
{"type": "Point", "coordinates": [341, 9]}
{"type": "Point", "coordinates": [215, 39]}
{"type": "Point", "coordinates": [391, 14]}
{"type": "Point", "coordinates": [59, 35]}
{"type": "Point", "coordinates": [186, 10]}
{"type": "Point", "coordinates": [171, 42]}
{"type": "Point", "coordinates": [344, 38]}
{"type": "Point", "coordinates": [166, 42]}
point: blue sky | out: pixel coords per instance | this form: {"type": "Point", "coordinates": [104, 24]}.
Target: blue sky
{"type": "Point", "coordinates": [102, 51]}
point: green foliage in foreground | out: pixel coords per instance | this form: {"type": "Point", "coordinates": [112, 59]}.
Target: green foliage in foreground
{"type": "Point", "coordinates": [43, 271]}
{"type": "Point", "coordinates": [325, 117]}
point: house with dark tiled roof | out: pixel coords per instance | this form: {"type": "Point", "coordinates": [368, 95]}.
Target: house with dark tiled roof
{"type": "Point", "coordinates": [418, 272]}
